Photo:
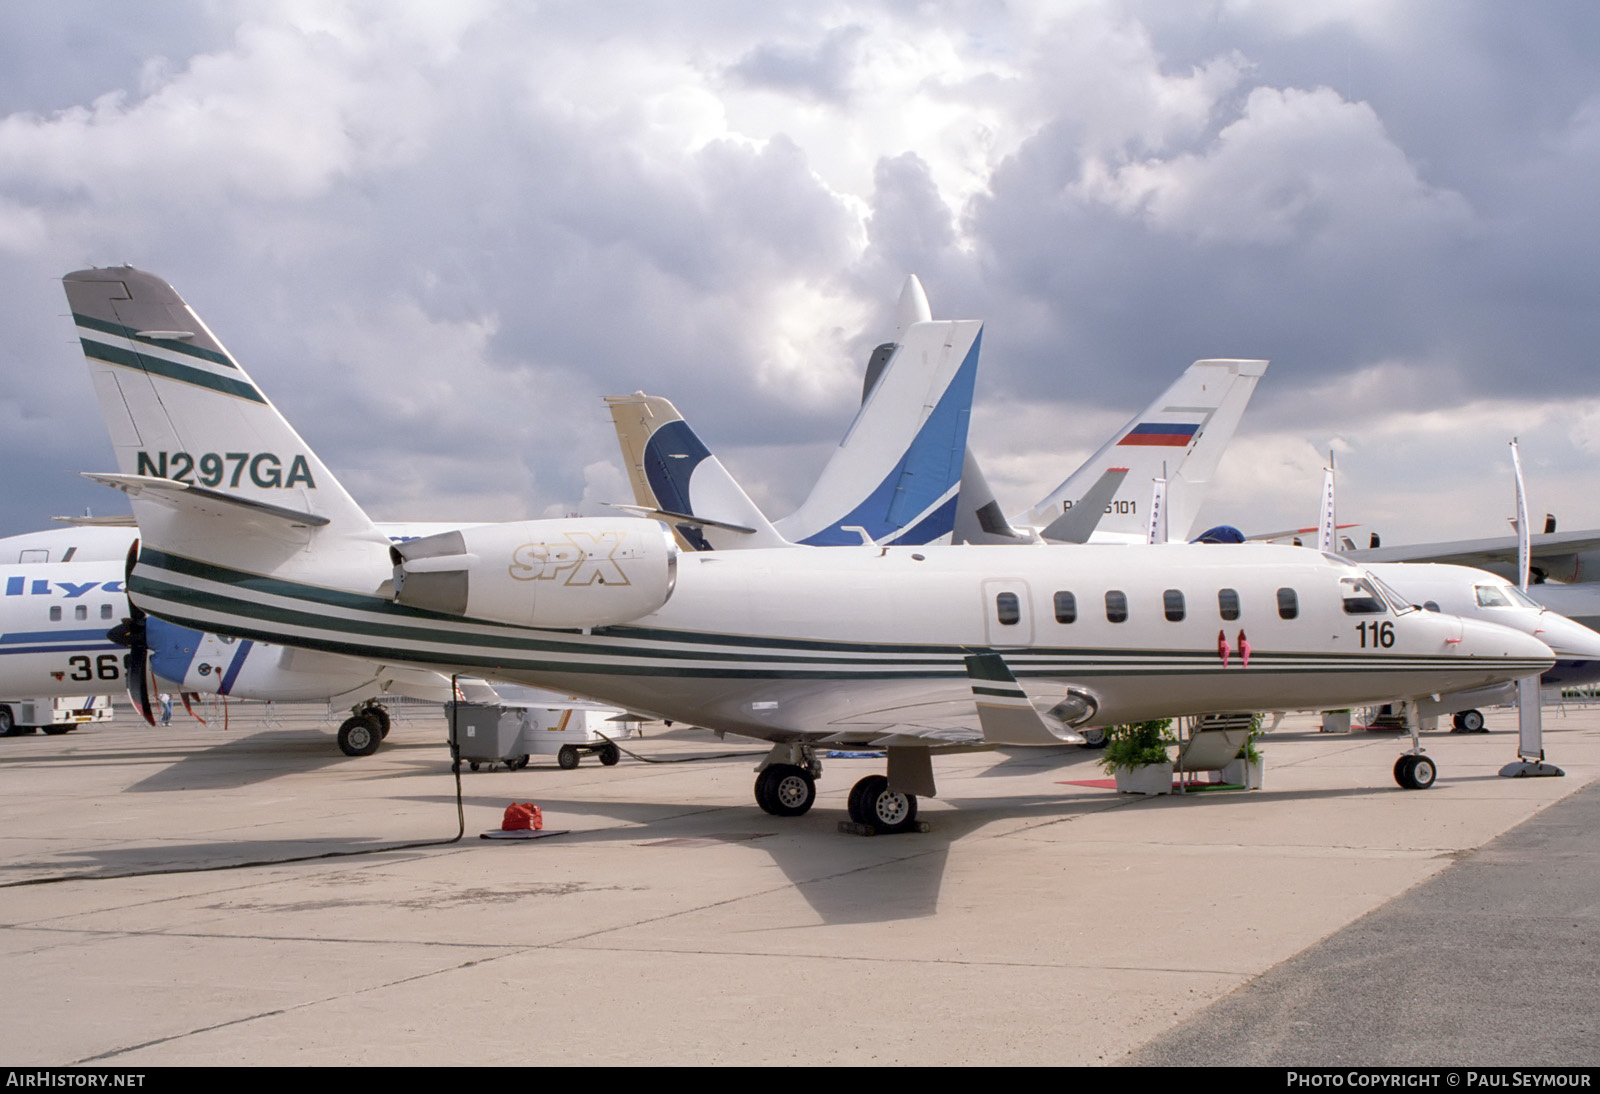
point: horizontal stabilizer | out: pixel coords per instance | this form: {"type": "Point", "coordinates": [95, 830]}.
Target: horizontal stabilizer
{"type": "Point", "coordinates": [670, 517]}
{"type": "Point", "coordinates": [183, 495]}
{"type": "Point", "coordinates": [124, 520]}
{"type": "Point", "coordinates": [1077, 524]}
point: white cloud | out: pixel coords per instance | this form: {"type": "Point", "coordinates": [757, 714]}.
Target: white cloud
{"type": "Point", "coordinates": [1296, 167]}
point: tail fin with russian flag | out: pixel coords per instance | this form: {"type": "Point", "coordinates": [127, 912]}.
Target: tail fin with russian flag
{"type": "Point", "coordinates": [1180, 437]}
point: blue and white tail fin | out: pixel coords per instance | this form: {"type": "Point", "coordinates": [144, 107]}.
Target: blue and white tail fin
{"type": "Point", "coordinates": [215, 472]}
{"type": "Point", "coordinates": [895, 476]}
{"type": "Point", "coordinates": [677, 480]}
{"type": "Point", "coordinates": [1180, 437]}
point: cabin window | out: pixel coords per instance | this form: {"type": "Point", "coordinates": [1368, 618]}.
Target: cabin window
{"type": "Point", "coordinates": [1066, 608]}
{"type": "Point", "coordinates": [1172, 604]}
{"type": "Point", "coordinates": [1007, 608]}
{"type": "Point", "coordinates": [1228, 603]}
{"type": "Point", "coordinates": [1490, 596]}
{"type": "Point", "coordinates": [1117, 606]}
{"type": "Point", "coordinates": [80, 612]}
{"type": "Point", "coordinates": [1288, 604]}
{"type": "Point", "coordinates": [1360, 598]}
{"type": "Point", "coordinates": [105, 611]}
{"type": "Point", "coordinates": [55, 613]}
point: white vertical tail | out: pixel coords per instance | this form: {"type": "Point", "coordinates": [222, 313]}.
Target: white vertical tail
{"type": "Point", "coordinates": [215, 472]}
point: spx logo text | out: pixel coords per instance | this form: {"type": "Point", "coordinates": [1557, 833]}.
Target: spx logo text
{"type": "Point", "coordinates": [582, 559]}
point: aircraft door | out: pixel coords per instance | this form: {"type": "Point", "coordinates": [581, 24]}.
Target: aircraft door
{"type": "Point", "coordinates": [1007, 613]}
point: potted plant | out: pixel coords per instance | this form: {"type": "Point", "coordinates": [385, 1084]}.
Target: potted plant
{"type": "Point", "coordinates": [1136, 756]}
{"type": "Point", "coordinates": [1247, 767]}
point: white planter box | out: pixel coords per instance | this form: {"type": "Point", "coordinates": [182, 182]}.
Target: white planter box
{"type": "Point", "coordinates": [1336, 721]}
{"type": "Point", "coordinates": [1148, 780]}
{"type": "Point", "coordinates": [1245, 774]}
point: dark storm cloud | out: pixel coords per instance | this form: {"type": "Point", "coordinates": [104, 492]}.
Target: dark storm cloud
{"type": "Point", "coordinates": [437, 235]}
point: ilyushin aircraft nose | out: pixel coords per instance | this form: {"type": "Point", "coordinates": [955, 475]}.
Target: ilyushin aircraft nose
{"type": "Point", "coordinates": [1570, 640]}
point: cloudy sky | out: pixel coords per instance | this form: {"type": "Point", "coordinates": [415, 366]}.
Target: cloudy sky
{"type": "Point", "coordinates": [438, 234]}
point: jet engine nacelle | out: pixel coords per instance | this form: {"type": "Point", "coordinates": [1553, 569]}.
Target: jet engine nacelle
{"type": "Point", "coordinates": [540, 573]}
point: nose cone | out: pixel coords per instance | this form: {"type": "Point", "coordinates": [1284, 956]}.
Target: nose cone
{"type": "Point", "coordinates": [1577, 650]}
{"type": "Point", "coordinates": [1569, 640]}
{"type": "Point", "coordinates": [1508, 653]}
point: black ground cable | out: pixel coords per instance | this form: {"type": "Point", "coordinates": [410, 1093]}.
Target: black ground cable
{"type": "Point", "coordinates": [679, 760]}
{"type": "Point", "coordinates": [461, 831]}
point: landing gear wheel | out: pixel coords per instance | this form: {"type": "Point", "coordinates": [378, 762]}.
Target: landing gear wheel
{"type": "Point", "coordinates": [1471, 721]}
{"type": "Point", "coordinates": [8, 722]}
{"type": "Point", "coordinates": [1422, 773]}
{"type": "Point", "coordinates": [379, 716]}
{"type": "Point", "coordinates": [1415, 772]}
{"type": "Point", "coordinates": [785, 790]}
{"type": "Point", "coordinates": [888, 811]}
{"type": "Point", "coordinates": [609, 755]}
{"type": "Point", "coordinates": [1095, 738]}
{"type": "Point", "coordinates": [567, 757]}
{"type": "Point", "coordinates": [358, 736]}
{"type": "Point", "coordinates": [517, 763]}
{"type": "Point", "coordinates": [472, 765]}
{"type": "Point", "coordinates": [1402, 770]}
{"type": "Point", "coordinates": [856, 806]}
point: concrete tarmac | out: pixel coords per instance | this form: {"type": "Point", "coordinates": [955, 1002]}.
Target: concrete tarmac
{"type": "Point", "coordinates": [1040, 922]}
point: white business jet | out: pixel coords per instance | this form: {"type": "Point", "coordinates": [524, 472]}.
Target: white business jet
{"type": "Point", "coordinates": [913, 650]}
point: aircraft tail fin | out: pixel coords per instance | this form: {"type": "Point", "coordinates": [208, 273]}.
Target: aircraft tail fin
{"type": "Point", "coordinates": [895, 475]}
{"type": "Point", "coordinates": [677, 480]}
{"type": "Point", "coordinates": [200, 449]}
{"type": "Point", "coordinates": [1179, 437]}
{"type": "Point", "coordinates": [979, 518]}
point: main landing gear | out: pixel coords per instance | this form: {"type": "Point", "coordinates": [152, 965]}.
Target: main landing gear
{"type": "Point", "coordinates": [786, 786]}
{"type": "Point", "coordinates": [786, 790]}
{"type": "Point", "coordinates": [786, 782]}
{"type": "Point", "coordinates": [364, 730]}
{"type": "Point", "coordinates": [886, 811]}
{"type": "Point", "coordinates": [1468, 721]}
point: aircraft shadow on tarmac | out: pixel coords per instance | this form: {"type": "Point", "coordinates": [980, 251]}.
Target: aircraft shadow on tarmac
{"type": "Point", "coordinates": [844, 878]}
{"type": "Point", "coordinates": [277, 752]}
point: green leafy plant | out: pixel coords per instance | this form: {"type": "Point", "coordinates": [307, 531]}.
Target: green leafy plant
{"type": "Point", "coordinates": [1247, 751]}
{"type": "Point", "coordinates": [1137, 744]}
